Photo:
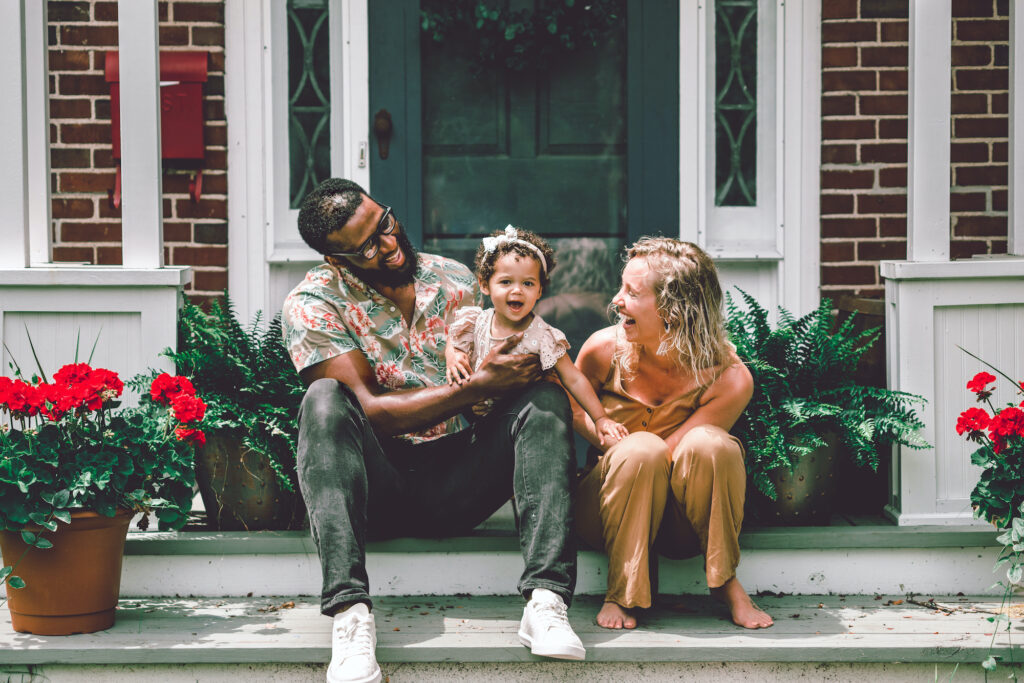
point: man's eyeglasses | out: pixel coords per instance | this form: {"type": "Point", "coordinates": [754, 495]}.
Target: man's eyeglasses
{"type": "Point", "coordinates": [368, 249]}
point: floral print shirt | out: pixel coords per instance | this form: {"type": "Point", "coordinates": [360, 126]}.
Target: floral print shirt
{"type": "Point", "coordinates": [333, 312]}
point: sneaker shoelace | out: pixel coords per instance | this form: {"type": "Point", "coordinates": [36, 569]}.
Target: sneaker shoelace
{"type": "Point", "coordinates": [552, 614]}
{"type": "Point", "coordinates": [357, 636]}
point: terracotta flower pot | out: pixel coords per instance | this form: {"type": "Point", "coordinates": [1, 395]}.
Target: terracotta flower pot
{"type": "Point", "coordinates": [241, 492]}
{"type": "Point", "coordinates": [73, 586]}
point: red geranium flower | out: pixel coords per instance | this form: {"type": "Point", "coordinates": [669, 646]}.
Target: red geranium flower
{"type": "Point", "coordinates": [195, 436]}
{"type": "Point", "coordinates": [166, 388]}
{"type": "Point", "coordinates": [24, 399]}
{"type": "Point", "coordinates": [1006, 423]}
{"type": "Point", "coordinates": [977, 385]}
{"type": "Point", "coordinates": [71, 374]}
{"type": "Point", "coordinates": [972, 420]}
{"type": "Point", "coordinates": [188, 408]}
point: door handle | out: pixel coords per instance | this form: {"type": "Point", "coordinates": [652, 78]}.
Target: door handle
{"type": "Point", "coordinates": [382, 128]}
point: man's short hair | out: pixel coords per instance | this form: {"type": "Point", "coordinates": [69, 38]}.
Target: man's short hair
{"type": "Point", "coordinates": [327, 208]}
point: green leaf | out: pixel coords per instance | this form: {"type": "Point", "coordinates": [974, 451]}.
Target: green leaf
{"type": "Point", "coordinates": [989, 664]}
{"type": "Point", "coordinates": [28, 537]}
{"type": "Point", "coordinates": [5, 572]}
{"type": "Point", "coordinates": [63, 516]}
{"type": "Point", "coordinates": [1015, 573]}
{"type": "Point", "coordinates": [43, 544]}
{"type": "Point", "coordinates": [16, 582]}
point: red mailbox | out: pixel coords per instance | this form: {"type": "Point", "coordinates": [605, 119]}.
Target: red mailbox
{"type": "Point", "coordinates": [182, 75]}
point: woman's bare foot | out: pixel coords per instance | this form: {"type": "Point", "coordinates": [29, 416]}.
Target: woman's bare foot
{"type": "Point", "coordinates": [614, 616]}
{"type": "Point", "coordinates": [744, 612]}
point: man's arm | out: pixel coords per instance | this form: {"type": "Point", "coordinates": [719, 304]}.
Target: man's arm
{"type": "Point", "coordinates": [403, 411]}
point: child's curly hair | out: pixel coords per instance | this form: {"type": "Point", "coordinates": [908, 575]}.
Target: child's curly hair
{"type": "Point", "coordinates": [484, 261]}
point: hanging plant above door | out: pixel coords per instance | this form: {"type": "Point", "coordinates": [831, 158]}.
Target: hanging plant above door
{"type": "Point", "coordinates": [523, 39]}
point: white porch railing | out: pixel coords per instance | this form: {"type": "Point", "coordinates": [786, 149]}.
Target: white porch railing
{"type": "Point", "coordinates": [934, 304]}
{"type": "Point", "coordinates": [132, 307]}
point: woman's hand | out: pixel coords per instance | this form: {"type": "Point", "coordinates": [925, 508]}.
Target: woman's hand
{"type": "Point", "coordinates": [609, 431]}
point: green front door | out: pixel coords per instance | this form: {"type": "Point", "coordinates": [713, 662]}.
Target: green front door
{"type": "Point", "coordinates": [580, 146]}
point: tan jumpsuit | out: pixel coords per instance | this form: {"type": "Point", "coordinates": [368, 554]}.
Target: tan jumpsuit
{"type": "Point", "coordinates": [689, 500]}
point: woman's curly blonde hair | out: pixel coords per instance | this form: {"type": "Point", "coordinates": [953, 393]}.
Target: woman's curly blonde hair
{"type": "Point", "coordinates": [688, 297]}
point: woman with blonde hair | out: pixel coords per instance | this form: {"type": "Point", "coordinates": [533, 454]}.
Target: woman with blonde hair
{"type": "Point", "coordinates": [667, 372]}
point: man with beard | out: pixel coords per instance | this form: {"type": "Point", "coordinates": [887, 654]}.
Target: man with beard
{"type": "Point", "coordinates": [383, 450]}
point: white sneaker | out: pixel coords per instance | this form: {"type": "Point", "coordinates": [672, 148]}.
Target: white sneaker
{"type": "Point", "coordinates": [353, 643]}
{"type": "Point", "coordinates": [545, 628]}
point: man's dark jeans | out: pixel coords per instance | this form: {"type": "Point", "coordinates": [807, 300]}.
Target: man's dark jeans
{"type": "Point", "coordinates": [358, 486]}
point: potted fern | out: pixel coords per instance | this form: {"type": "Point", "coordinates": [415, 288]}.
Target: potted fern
{"type": "Point", "coordinates": [808, 408]}
{"type": "Point", "coordinates": [246, 469]}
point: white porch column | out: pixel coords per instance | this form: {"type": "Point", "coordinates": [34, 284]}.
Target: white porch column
{"type": "Point", "coordinates": [37, 107]}
{"type": "Point", "coordinates": [1015, 237]}
{"type": "Point", "coordinates": [141, 173]}
{"type": "Point", "coordinates": [928, 131]}
{"type": "Point", "coordinates": [13, 145]}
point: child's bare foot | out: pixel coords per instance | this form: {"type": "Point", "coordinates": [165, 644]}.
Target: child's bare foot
{"type": "Point", "coordinates": [744, 612]}
{"type": "Point", "coordinates": [614, 616]}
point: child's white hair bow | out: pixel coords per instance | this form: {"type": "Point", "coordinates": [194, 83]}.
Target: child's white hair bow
{"type": "Point", "coordinates": [512, 236]}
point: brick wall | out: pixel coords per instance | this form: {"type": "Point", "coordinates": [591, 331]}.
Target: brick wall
{"type": "Point", "coordinates": [864, 137]}
{"type": "Point", "coordinates": [85, 226]}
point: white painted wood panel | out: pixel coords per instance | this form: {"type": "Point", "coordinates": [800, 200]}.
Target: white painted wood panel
{"type": "Point", "coordinates": [142, 176]}
{"type": "Point", "coordinates": [996, 333]}
{"type": "Point", "coordinates": [928, 311]}
{"type": "Point", "coordinates": [13, 123]}
{"type": "Point", "coordinates": [928, 131]}
{"type": "Point", "coordinates": [37, 107]}
{"type": "Point", "coordinates": [135, 325]}
{"type": "Point", "coordinates": [117, 336]}
{"type": "Point", "coordinates": [1015, 244]}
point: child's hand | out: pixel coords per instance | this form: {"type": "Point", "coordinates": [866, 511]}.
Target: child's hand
{"type": "Point", "coordinates": [610, 431]}
{"type": "Point", "coordinates": [458, 370]}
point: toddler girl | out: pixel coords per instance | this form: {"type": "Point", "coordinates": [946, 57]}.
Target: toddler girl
{"type": "Point", "coordinates": [512, 267]}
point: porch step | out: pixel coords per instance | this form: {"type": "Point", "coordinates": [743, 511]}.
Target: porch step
{"type": "Point", "coordinates": [811, 560]}
{"type": "Point", "coordinates": [287, 639]}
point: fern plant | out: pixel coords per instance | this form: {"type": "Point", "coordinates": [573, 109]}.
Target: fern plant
{"type": "Point", "coordinates": [247, 380]}
{"type": "Point", "coordinates": [804, 387]}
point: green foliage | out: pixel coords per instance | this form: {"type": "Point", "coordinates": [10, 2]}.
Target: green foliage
{"type": "Point", "coordinates": [999, 494]}
{"type": "Point", "coordinates": [490, 33]}
{"type": "Point", "coordinates": [132, 460]}
{"type": "Point", "coordinates": [804, 387]}
{"type": "Point", "coordinates": [247, 379]}
{"type": "Point", "coordinates": [101, 461]}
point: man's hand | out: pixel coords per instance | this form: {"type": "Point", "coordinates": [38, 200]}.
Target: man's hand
{"type": "Point", "coordinates": [500, 373]}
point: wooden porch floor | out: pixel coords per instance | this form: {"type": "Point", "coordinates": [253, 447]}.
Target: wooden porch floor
{"type": "Point", "coordinates": [808, 629]}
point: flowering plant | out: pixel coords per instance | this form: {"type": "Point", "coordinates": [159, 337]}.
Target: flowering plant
{"type": "Point", "coordinates": [999, 495]}
{"type": "Point", "coordinates": [64, 447]}
{"type": "Point", "coordinates": [999, 433]}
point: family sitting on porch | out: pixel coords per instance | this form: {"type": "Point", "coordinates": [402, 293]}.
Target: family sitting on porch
{"type": "Point", "coordinates": [388, 446]}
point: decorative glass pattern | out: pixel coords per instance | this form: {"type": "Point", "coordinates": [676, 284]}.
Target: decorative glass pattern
{"type": "Point", "coordinates": [309, 98]}
{"type": "Point", "coordinates": [736, 102]}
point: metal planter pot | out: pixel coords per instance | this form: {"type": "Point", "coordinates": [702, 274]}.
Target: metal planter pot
{"type": "Point", "coordinates": [241, 492]}
{"type": "Point", "coordinates": [807, 495]}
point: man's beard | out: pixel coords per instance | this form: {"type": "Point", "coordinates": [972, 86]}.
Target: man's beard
{"type": "Point", "coordinates": [386, 276]}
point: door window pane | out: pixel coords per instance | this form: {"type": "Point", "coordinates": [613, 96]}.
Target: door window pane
{"type": "Point", "coordinates": [309, 103]}
{"type": "Point", "coordinates": [736, 102]}
{"type": "Point", "coordinates": [543, 149]}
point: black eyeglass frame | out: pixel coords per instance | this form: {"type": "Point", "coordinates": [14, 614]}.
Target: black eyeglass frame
{"type": "Point", "coordinates": [372, 243]}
